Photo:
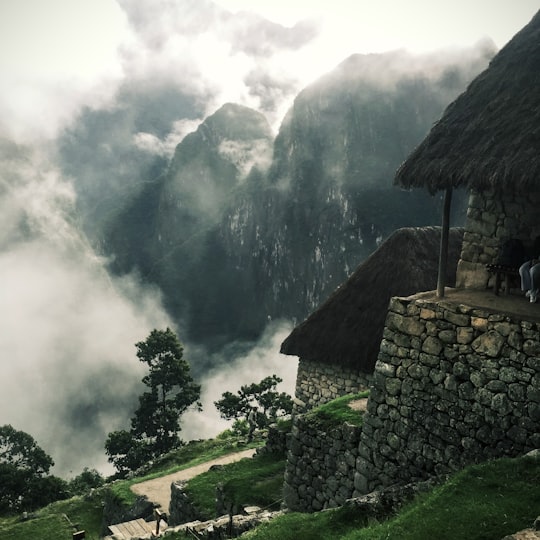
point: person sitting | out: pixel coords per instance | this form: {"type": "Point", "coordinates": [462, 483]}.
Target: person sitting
{"type": "Point", "coordinates": [529, 273]}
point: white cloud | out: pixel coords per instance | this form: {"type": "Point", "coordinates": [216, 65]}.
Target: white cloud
{"type": "Point", "coordinates": [68, 330]}
{"type": "Point", "coordinates": [56, 56]}
{"type": "Point", "coordinates": [152, 144]}
{"type": "Point", "coordinates": [59, 56]}
{"type": "Point", "coordinates": [69, 370]}
{"type": "Point", "coordinates": [261, 361]}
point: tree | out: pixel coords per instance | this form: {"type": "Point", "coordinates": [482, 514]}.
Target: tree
{"type": "Point", "coordinates": [125, 451]}
{"type": "Point", "coordinates": [24, 483]}
{"type": "Point", "coordinates": [261, 398]}
{"type": "Point", "coordinates": [171, 391]}
{"type": "Point", "coordinates": [84, 482]}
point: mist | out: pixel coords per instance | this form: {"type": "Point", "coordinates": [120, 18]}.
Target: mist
{"type": "Point", "coordinates": [69, 372]}
{"type": "Point", "coordinates": [232, 371]}
{"type": "Point", "coordinates": [84, 123]}
{"type": "Point", "coordinates": [68, 328]}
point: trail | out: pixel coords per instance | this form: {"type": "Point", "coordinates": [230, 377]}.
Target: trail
{"type": "Point", "coordinates": [158, 490]}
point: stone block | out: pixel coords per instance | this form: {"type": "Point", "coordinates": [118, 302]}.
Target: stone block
{"type": "Point", "coordinates": [432, 346]}
{"type": "Point", "coordinates": [501, 404]}
{"type": "Point", "coordinates": [489, 344]}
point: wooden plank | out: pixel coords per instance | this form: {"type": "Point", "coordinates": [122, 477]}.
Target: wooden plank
{"type": "Point", "coordinates": [125, 529]}
{"type": "Point", "coordinates": [135, 527]}
{"type": "Point", "coordinates": [116, 531]}
{"type": "Point", "coordinates": [143, 526]}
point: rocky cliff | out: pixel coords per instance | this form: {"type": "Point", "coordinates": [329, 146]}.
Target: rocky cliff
{"type": "Point", "coordinates": [238, 232]}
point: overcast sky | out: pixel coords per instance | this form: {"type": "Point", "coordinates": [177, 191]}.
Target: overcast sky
{"type": "Point", "coordinates": [57, 56]}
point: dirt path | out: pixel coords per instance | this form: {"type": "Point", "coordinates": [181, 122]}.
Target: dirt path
{"type": "Point", "coordinates": [158, 490]}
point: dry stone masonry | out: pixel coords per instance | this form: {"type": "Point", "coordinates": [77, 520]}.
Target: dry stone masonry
{"type": "Point", "coordinates": [320, 465]}
{"type": "Point", "coordinates": [493, 218]}
{"type": "Point", "coordinates": [453, 385]}
{"type": "Point", "coordinates": [318, 383]}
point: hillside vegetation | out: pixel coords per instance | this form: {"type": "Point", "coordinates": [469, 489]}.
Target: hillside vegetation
{"type": "Point", "coordinates": [482, 502]}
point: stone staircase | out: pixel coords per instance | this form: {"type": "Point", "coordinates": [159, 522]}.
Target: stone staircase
{"type": "Point", "coordinates": [138, 529]}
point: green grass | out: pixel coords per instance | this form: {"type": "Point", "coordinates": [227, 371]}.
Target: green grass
{"type": "Point", "coordinates": [193, 453]}
{"type": "Point", "coordinates": [337, 411]}
{"type": "Point", "coordinates": [482, 502]}
{"type": "Point", "coordinates": [50, 523]}
{"type": "Point", "coordinates": [255, 481]}
{"type": "Point", "coordinates": [328, 525]}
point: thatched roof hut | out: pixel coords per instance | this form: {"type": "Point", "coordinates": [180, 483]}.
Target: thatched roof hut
{"type": "Point", "coordinates": [489, 137]}
{"type": "Point", "coordinates": [347, 328]}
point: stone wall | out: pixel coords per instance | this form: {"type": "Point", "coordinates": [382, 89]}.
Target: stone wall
{"type": "Point", "coordinates": [453, 385]}
{"type": "Point", "coordinates": [181, 509]}
{"type": "Point", "coordinates": [492, 219]}
{"type": "Point", "coordinates": [275, 440]}
{"type": "Point", "coordinates": [115, 511]}
{"type": "Point", "coordinates": [320, 465]}
{"type": "Point", "coordinates": [318, 383]}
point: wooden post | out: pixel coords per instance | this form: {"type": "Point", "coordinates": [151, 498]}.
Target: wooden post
{"type": "Point", "coordinates": [159, 516]}
{"type": "Point", "coordinates": [443, 252]}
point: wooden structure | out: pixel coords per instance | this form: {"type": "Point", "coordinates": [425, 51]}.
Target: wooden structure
{"type": "Point", "coordinates": [136, 528]}
{"type": "Point", "coordinates": [502, 274]}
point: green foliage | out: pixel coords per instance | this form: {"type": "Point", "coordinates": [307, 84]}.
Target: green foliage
{"type": "Point", "coordinates": [24, 483]}
{"type": "Point", "coordinates": [253, 481]}
{"type": "Point", "coordinates": [19, 449]}
{"type": "Point", "coordinates": [192, 454]}
{"type": "Point", "coordinates": [125, 451]}
{"type": "Point", "coordinates": [260, 398]}
{"type": "Point", "coordinates": [240, 427]}
{"type": "Point", "coordinates": [84, 482]}
{"type": "Point", "coordinates": [337, 411]}
{"type": "Point", "coordinates": [155, 426]}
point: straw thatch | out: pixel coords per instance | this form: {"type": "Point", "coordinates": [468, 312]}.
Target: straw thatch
{"type": "Point", "coordinates": [489, 137]}
{"type": "Point", "coordinates": [347, 328]}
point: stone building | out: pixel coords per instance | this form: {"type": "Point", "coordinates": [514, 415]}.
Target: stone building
{"type": "Point", "coordinates": [338, 344]}
{"type": "Point", "coordinates": [457, 378]}
{"type": "Point", "coordinates": [488, 141]}
{"type": "Point", "coordinates": [457, 375]}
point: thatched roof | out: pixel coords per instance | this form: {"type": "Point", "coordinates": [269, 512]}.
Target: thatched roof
{"type": "Point", "coordinates": [489, 137]}
{"type": "Point", "coordinates": [347, 328]}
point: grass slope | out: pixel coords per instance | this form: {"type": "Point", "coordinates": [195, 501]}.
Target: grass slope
{"type": "Point", "coordinates": [192, 454]}
{"type": "Point", "coordinates": [256, 481]}
{"type": "Point", "coordinates": [55, 522]}
{"type": "Point", "coordinates": [337, 412]}
{"type": "Point", "coordinates": [482, 502]}
{"type": "Point", "coordinates": [50, 523]}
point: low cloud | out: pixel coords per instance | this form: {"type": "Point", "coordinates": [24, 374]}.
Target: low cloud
{"type": "Point", "coordinates": [262, 360]}
{"type": "Point", "coordinates": [258, 37]}
{"type": "Point", "coordinates": [53, 65]}
{"type": "Point", "coordinates": [148, 142]}
{"type": "Point", "coordinates": [69, 372]}
{"type": "Point", "coordinates": [247, 154]}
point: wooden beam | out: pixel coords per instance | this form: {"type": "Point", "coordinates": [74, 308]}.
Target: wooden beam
{"type": "Point", "coordinates": [443, 252]}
